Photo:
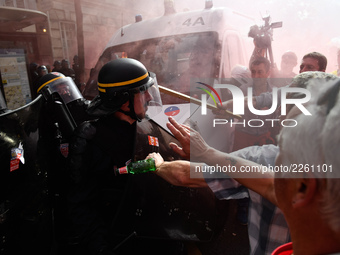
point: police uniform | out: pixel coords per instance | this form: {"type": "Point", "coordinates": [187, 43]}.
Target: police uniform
{"type": "Point", "coordinates": [62, 109]}
{"type": "Point", "coordinates": [99, 146]}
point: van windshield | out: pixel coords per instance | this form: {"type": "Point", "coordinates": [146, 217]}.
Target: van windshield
{"type": "Point", "coordinates": [178, 61]}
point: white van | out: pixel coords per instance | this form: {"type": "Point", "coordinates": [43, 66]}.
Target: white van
{"type": "Point", "coordinates": [182, 49]}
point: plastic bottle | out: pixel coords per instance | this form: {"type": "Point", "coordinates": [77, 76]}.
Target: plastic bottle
{"type": "Point", "coordinates": [138, 167]}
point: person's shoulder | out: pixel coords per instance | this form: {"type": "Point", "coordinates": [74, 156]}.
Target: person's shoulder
{"type": "Point", "coordinates": [269, 149]}
{"type": "Point", "coordinates": [258, 154]}
{"type": "Point", "coordinates": [255, 150]}
{"type": "Point", "coordinates": [86, 130]}
{"type": "Point", "coordinates": [82, 138]}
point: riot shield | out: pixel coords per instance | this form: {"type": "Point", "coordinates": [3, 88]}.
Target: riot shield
{"type": "Point", "coordinates": [25, 217]}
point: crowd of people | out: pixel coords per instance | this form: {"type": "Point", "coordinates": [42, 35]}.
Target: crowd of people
{"type": "Point", "coordinates": [262, 213]}
{"type": "Point", "coordinates": [36, 71]}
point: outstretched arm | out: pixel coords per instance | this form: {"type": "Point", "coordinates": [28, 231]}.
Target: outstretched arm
{"type": "Point", "coordinates": [261, 181]}
{"type": "Point", "coordinates": [178, 172]}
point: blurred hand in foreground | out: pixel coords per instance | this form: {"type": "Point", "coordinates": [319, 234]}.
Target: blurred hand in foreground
{"type": "Point", "coordinates": [193, 145]}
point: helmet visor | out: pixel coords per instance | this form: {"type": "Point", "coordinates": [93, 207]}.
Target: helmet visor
{"type": "Point", "coordinates": [65, 87]}
{"type": "Point", "coordinates": [147, 99]}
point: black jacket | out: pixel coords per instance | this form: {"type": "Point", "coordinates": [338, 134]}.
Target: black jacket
{"type": "Point", "coordinates": [96, 192]}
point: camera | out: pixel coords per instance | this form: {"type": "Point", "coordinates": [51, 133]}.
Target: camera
{"type": "Point", "coordinates": [263, 35]}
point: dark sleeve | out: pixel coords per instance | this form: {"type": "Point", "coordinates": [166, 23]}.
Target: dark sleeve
{"type": "Point", "coordinates": [86, 162]}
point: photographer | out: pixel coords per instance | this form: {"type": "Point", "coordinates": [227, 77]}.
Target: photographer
{"type": "Point", "coordinates": [263, 37]}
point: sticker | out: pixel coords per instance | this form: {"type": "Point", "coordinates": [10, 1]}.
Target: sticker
{"type": "Point", "coordinates": [172, 111]}
{"type": "Point", "coordinates": [64, 149]}
{"type": "Point", "coordinates": [123, 170]}
{"type": "Point", "coordinates": [153, 141]}
{"type": "Point", "coordinates": [16, 157]}
{"type": "Point", "coordinates": [14, 165]}
{"type": "Point", "coordinates": [16, 153]}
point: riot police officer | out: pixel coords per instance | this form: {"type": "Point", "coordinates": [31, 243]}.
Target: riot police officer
{"type": "Point", "coordinates": [127, 91]}
{"type": "Point", "coordinates": [63, 108]}
{"type": "Point", "coordinates": [56, 66]}
{"type": "Point", "coordinates": [56, 86]}
{"type": "Point", "coordinates": [66, 69]}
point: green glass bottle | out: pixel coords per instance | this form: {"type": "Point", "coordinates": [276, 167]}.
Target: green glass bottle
{"type": "Point", "coordinates": [138, 167]}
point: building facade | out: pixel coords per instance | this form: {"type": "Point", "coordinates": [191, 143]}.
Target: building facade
{"type": "Point", "coordinates": [101, 19]}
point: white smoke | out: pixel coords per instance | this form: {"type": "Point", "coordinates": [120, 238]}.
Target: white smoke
{"type": "Point", "coordinates": [308, 25]}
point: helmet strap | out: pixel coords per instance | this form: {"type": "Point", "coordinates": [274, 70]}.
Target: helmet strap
{"type": "Point", "coordinates": [132, 107]}
{"type": "Point", "coordinates": [131, 113]}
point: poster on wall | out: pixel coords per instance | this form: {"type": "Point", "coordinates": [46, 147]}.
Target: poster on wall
{"type": "Point", "coordinates": [15, 78]}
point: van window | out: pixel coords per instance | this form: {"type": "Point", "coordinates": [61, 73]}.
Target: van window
{"type": "Point", "coordinates": [176, 60]}
{"type": "Point", "coordinates": [232, 54]}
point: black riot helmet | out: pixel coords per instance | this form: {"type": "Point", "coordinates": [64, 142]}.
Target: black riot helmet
{"type": "Point", "coordinates": [42, 70]}
{"type": "Point", "coordinates": [57, 82]}
{"type": "Point", "coordinates": [118, 82]}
